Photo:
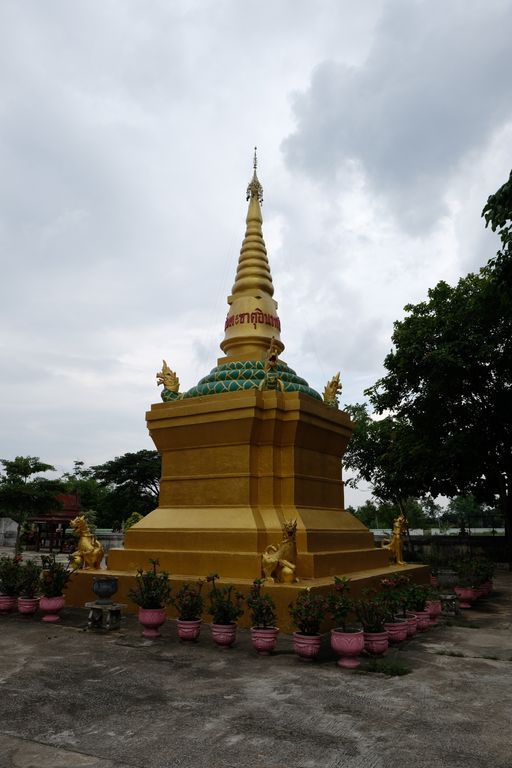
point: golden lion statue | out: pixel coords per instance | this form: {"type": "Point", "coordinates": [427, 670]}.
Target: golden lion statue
{"type": "Point", "coordinates": [279, 563]}
{"type": "Point", "coordinates": [395, 543]}
{"type": "Point", "coordinates": [332, 391]}
{"type": "Point", "coordinates": [90, 552]}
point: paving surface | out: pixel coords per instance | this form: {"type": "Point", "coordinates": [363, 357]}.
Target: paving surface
{"type": "Point", "coordinates": [71, 697]}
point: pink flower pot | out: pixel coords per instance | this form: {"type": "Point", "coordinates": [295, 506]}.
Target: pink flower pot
{"type": "Point", "coordinates": [223, 635]}
{"type": "Point", "coordinates": [376, 642]}
{"type": "Point", "coordinates": [151, 619]}
{"type": "Point", "coordinates": [412, 624]}
{"type": "Point", "coordinates": [397, 631]}
{"type": "Point", "coordinates": [466, 595]}
{"type": "Point", "coordinates": [434, 581]}
{"type": "Point", "coordinates": [28, 605]}
{"type": "Point", "coordinates": [264, 640]}
{"type": "Point", "coordinates": [434, 609]}
{"type": "Point", "coordinates": [188, 630]}
{"type": "Point", "coordinates": [7, 604]}
{"type": "Point", "coordinates": [306, 646]}
{"type": "Point", "coordinates": [51, 607]}
{"type": "Point", "coordinates": [423, 619]}
{"type": "Point", "coordinates": [348, 646]}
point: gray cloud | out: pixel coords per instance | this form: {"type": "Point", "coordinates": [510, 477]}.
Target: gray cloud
{"type": "Point", "coordinates": [435, 85]}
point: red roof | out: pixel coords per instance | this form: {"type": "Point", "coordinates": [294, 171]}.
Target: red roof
{"type": "Point", "coordinates": [70, 509]}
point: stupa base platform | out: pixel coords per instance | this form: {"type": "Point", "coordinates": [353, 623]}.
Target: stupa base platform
{"type": "Point", "coordinates": [79, 590]}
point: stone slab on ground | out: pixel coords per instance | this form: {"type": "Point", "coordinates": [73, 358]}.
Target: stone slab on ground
{"type": "Point", "coordinates": [86, 699]}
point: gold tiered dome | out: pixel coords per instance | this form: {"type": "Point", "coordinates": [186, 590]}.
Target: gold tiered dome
{"type": "Point", "coordinates": [252, 318]}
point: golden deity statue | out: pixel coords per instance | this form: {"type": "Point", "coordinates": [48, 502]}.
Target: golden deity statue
{"type": "Point", "coordinates": [395, 543]}
{"type": "Point", "coordinates": [279, 563]}
{"type": "Point", "coordinates": [90, 551]}
{"type": "Point", "coordinates": [271, 378]}
{"type": "Point", "coordinates": [332, 391]}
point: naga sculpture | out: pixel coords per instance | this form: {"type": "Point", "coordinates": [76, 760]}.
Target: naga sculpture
{"type": "Point", "coordinates": [271, 378]}
{"type": "Point", "coordinates": [395, 543]}
{"type": "Point", "coordinates": [170, 382]}
{"type": "Point", "coordinates": [332, 391]}
{"type": "Point", "coordinates": [89, 553]}
{"type": "Point", "coordinates": [279, 563]}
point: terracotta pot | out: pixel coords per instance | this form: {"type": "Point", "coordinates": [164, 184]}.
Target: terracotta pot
{"type": "Point", "coordinates": [434, 609]}
{"type": "Point", "coordinates": [51, 606]}
{"type": "Point", "coordinates": [466, 595]}
{"type": "Point", "coordinates": [151, 619]}
{"type": "Point", "coordinates": [223, 635]}
{"type": "Point", "coordinates": [412, 624]}
{"type": "Point", "coordinates": [7, 603]}
{"type": "Point", "coordinates": [306, 646]}
{"type": "Point", "coordinates": [397, 631]}
{"type": "Point", "coordinates": [423, 619]}
{"type": "Point", "coordinates": [28, 605]}
{"type": "Point", "coordinates": [376, 642]}
{"type": "Point", "coordinates": [348, 646]}
{"type": "Point", "coordinates": [188, 629]}
{"type": "Point", "coordinates": [264, 639]}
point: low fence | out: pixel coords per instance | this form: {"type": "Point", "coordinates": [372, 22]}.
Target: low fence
{"type": "Point", "coordinates": [441, 549]}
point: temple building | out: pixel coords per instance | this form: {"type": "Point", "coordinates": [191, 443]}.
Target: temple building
{"type": "Point", "coordinates": [251, 463]}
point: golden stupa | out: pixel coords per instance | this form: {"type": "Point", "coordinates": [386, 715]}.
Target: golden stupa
{"type": "Point", "coordinates": [251, 464]}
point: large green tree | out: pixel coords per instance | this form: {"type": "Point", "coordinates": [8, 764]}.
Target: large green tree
{"type": "Point", "coordinates": [24, 492]}
{"type": "Point", "coordinates": [131, 483]}
{"type": "Point", "coordinates": [449, 378]}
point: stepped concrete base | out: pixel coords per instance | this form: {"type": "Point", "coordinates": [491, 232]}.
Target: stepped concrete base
{"type": "Point", "coordinates": [79, 590]}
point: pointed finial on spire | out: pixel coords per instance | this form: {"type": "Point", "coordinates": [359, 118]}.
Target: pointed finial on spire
{"type": "Point", "coordinates": [255, 189]}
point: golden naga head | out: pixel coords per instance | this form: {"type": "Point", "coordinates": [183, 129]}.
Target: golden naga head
{"type": "Point", "coordinates": [332, 391]}
{"type": "Point", "coordinates": [168, 378]}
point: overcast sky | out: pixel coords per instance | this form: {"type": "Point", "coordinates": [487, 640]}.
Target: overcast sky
{"type": "Point", "coordinates": [126, 135]}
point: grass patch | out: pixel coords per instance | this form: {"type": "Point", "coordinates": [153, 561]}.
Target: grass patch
{"type": "Point", "coordinates": [386, 667]}
{"type": "Point", "coordinates": [458, 654]}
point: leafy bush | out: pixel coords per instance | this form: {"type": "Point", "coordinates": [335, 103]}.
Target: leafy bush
{"type": "Point", "coordinates": [54, 576]}
{"type": "Point", "coordinates": [371, 614]}
{"type": "Point", "coordinates": [10, 575]}
{"type": "Point", "coordinates": [152, 589]}
{"type": "Point", "coordinates": [261, 606]}
{"type": "Point", "coordinates": [339, 603]}
{"type": "Point", "coordinates": [417, 596]}
{"type": "Point", "coordinates": [189, 602]}
{"type": "Point", "coordinates": [30, 579]}
{"type": "Point", "coordinates": [308, 612]}
{"type": "Point", "coordinates": [225, 602]}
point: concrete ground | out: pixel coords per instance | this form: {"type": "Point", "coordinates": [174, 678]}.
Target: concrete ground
{"type": "Point", "coordinates": [71, 697]}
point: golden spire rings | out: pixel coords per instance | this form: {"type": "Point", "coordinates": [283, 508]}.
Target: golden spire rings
{"type": "Point", "coordinates": [255, 189]}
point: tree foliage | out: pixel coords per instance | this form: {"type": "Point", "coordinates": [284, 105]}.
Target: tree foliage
{"type": "Point", "coordinates": [131, 484]}
{"type": "Point", "coordinates": [449, 378]}
{"type": "Point", "coordinates": [24, 492]}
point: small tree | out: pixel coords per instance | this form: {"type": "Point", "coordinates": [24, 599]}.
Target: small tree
{"type": "Point", "coordinates": [24, 492]}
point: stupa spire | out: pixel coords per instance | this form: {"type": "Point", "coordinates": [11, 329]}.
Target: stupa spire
{"type": "Point", "coordinates": [252, 318]}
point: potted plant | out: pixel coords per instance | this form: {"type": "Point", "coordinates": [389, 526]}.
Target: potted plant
{"type": "Point", "coordinates": [371, 615]}
{"type": "Point", "coordinates": [152, 592]}
{"type": "Point", "coordinates": [466, 589]}
{"type": "Point", "coordinates": [54, 577]}
{"type": "Point", "coordinates": [391, 598]}
{"type": "Point", "coordinates": [9, 582]}
{"type": "Point", "coordinates": [189, 603]}
{"type": "Point", "coordinates": [307, 614]}
{"type": "Point", "coordinates": [225, 608]}
{"type": "Point", "coordinates": [346, 641]}
{"type": "Point", "coordinates": [263, 619]}
{"type": "Point", "coordinates": [29, 587]}
{"type": "Point", "coordinates": [417, 596]}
